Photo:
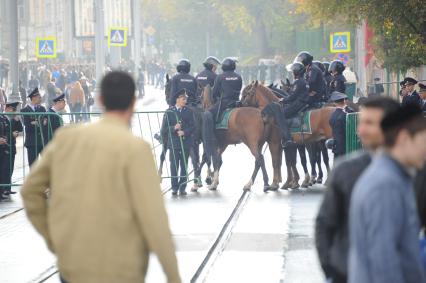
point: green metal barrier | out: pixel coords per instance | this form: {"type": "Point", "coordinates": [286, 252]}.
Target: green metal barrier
{"type": "Point", "coordinates": [353, 142]}
{"type": "Point", "coordinates": [144, 125]}
{"type": "Point", "coordinates": [351, 90]}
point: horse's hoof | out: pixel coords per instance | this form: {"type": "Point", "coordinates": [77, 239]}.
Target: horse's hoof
{"type": "Point", "coordinates": [319, 181]}
{"type": "Point", "coordinates": [306, 184]}
{"type": "Point", "coordinates": [286, 186]}
{"type": "Point", "coordinates": [246, 188]}
{"type": "Point", "coordinates": [272, 188]}
{"type": "Point", "coordinates": [212, 188]}
{"type": "Point", "coordinates": [209, 180]}
{"type": "Point", "coordinates": [294, 185]}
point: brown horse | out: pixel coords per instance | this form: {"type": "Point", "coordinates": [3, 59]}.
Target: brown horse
{"type": "Point", "coordinates": [256, 95]}
{"type": "Point", "coordinates": [245, 126]}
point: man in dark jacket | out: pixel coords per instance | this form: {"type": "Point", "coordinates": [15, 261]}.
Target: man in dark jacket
{"type": "Point", "coordinates": [338, 123]}
{"type": "Point", "coordinates": [331, 229]}
{"type": "Point", "coordinates": [54, 121]}
{"type": "Point", "coordinates": [179, 122]}
{"type": "Point", "coordinates": [338, 81]}
{"type": "Point", "coordinates": [208, 75]}
{"type": "Point", "coordinates": [33, 126]}
{"type": "Point", "coordinates": [411, 95]}
{"type": "Point", "coordinates": [10, 127]}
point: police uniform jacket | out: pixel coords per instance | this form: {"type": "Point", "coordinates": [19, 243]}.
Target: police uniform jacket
{"type": "Point", "coordinates": [228, 84]}
{"type": "Point", "coordinates": [185, 117]}
{"type": "Point", "coordinates": [413, 98]}
{"type": "Point", "coordinates": [183, 81]}
{"type": "Point", "coordinates": [206, 77]}
{"type": "Point", "coordinates": [338, 126]}
{"type": "Point", "coordinates": [33, 133]}
{"type": "Point", "coordinates": [103, 220]}
{"type": "Point", "coordinates": [338, 84]}
{"type": "Point", "coordinates": [315, 79]}
{"type": "Point", "coordinates": [53, 123]}
{"type": "Point", "coordinates": [299, 92]}
{"type": "Point", "coordinates": [8, 125]}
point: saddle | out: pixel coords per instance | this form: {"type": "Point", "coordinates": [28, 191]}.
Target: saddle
{"type": "Point", "coordinates": [301, 123]}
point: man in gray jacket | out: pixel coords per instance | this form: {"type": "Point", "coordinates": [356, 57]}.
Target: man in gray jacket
{"type": "Point", "coordinates": [383, 219]}
{"type": "Point", "coordinates": [331, 230]}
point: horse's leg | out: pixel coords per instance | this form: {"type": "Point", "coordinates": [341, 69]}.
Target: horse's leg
{"type": "Point", "coordinates": [312, 160]}
{"type": "Point", "coordinates": [302, 154]}
{"type": "Point", "coordinates": [289, 180]}
{"type": "Point", "coordinates": [326, 159]}
{"type": "Point", "coordinates": [217, 163]}
{"type": "Point", "coordinates": [275, 150]}
{"type": "Point", "coordinates": [293, 161]}
{"type": "Point", "coordinates": [318, 154]}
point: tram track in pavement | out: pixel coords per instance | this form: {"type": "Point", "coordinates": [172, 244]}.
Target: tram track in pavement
{"type": "Point", "coordinates": [221, 240]}
{"type": "Point", "coordinates": [213, 253]}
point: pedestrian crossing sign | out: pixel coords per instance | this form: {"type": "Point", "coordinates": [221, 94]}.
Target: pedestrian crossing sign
{"type": "Point", "coordinates": [117, 36]}
{"type": "Point", "coordinates": [46, 47]}
{"type": "Point", "coordinates": [340, 42]}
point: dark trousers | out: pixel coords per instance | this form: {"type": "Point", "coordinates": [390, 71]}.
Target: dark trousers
{"type": "Point", "coordinates": [178, 159]}
{"type": "Point", "coordinates": [33, 153]}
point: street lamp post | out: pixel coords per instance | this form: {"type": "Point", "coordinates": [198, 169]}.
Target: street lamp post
{"type": "Point", "coordinates": [14, 49]}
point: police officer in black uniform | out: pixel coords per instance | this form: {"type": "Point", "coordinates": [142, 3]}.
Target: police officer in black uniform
{"type": "Point", "coordinates": [338, 123]}
{"type": "Point", "coordinates": [10, 127]}
{"type": "Point", "coordinates": [55, 121]}
{"type": "Point", "coordinates": [293, 104]}
{"type": "Point", "coordinates": [338, 81]}
{"type": "Point", "coordinates": [325, 94]}
{"type": "Point", "coordinates": [411, 96]}
{"type": "Point", "coordinates": [34, 126]}
{"type": "Point", "coordinates": [328, 78]}
{"type": "Point", "coordinates": [184, 81]}
{"type": "Point", "coordinates": [179, 121]}
{"type": "Point", "coordinates": [226, 93]}
{"type": "Point", "coordinates": [208, 75]}
{"type": "Point", "coordinates": [314, 77]}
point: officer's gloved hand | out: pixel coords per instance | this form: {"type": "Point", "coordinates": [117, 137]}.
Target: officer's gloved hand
{"type": "Point", "coordinates": [238, 103]}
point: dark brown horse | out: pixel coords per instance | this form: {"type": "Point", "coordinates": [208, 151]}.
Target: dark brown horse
{"type": "Point", "coordinates": [245, 126]}
{"type": "Point", "coordinates": [256, 95]}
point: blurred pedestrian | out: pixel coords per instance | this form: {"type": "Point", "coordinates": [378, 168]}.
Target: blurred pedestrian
{"type": "Point", "coordinates": [76, 101]}
{"type": "Point", "coordinates": [331, 229]}
{"type": "Point", "coordinates": [384, 226]}
{"type": "Point", "coordinates": [121, 216]}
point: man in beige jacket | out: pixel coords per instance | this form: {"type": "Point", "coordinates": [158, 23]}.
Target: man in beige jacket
{"type": "Point", "coordinates": [104, 219]}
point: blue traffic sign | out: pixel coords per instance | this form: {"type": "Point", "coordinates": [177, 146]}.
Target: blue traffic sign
{"type": "Point", "coordinates": [46, 47]}
{"type": "Point", "coordinates": [117, 37]}
{"type": "Point", "coordinates": [340, 42]}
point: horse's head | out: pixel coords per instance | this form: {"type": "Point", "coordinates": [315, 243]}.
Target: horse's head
{"type": "Point", "coordinates": [256, 95]}
{"type": "Point", "coordinates": [206, 97]}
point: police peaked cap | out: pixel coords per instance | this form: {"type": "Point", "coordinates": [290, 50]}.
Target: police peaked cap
{"type": "Point", "coordinates": [12, 104]}
{"type": "Point", "coordinates": [59, 98]}
{"type": "Point", "coordinates": [409, 80]}
{"type": "Point", "coordinates": [422, 87]}
{"type": "Point", "coordinates": [34, 93]}
{"type": "Point", "coordinates": [336, 96]}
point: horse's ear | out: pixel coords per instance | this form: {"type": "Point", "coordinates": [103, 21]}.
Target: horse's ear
{"type": "Point", "coordinates": [167, 78]}
{"type": "Point", "coordinates": [256, 83]}
{"type": "Point", "coordinates": [287, 82]}
{"type": "Point", "coordinates": [271, 85]}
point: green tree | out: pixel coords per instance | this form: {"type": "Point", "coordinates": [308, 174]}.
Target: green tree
{"type": "Point", "coordinates": [399, 26]}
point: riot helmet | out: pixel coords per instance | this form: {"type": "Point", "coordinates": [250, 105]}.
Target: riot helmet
{"type": "Point", "coordinates": [184, 66]}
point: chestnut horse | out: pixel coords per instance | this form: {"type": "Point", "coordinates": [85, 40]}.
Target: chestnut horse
{"type": "Point", "coordinates": [256, 95]}
{"type": "Point", "coordinates": [245, 126]}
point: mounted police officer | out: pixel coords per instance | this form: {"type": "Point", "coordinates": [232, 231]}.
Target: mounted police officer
{"type": "Point", "coordinates": [10, 127]}
{"type": "Point", "coordinates": [184, 81]}
{"type": "Point", "coordinates": [226, 93]}
{"type": "Point", "coordinates": [338, 81]}
{"type": "Point", "coordinates": [325, 95]}
{"type": "Point", "coordinates": [297, 101]}
{"type": "Point", "coordinates": [314, 77]}
{"type": "Point", "coordinates": [208, 75]}
{"type": "Point", "coordinates": [179, 121]}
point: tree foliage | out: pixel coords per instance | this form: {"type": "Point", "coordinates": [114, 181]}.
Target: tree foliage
{"type": "Point", "coordinates": [399, 26]}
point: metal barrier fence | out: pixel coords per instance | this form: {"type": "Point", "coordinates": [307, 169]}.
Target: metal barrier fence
{"type": "Point", "coordinates": [353, 142]}
{"type": "Point", "coordinates": [37, 129]}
